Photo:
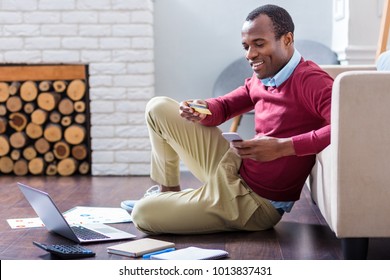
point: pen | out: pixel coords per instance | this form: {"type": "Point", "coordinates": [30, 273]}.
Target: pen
{"type": "Point", "coordinates": [147, 256]}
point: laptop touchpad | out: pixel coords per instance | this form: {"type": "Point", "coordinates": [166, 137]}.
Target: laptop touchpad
{"type": "Point", "coordinates": [105, 229]}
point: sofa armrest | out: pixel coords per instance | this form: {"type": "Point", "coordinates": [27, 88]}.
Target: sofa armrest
{"type": "Point", "coordinates": [354, 198]}
{"type": "Point", "coordinates": [335, 70]}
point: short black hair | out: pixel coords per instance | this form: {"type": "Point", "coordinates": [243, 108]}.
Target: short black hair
{"type": "Point", "coordinates": [280, 18]}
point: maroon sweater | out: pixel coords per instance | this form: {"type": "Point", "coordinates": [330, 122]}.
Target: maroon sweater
{"type": "Point", "coordinates": [298, 108]}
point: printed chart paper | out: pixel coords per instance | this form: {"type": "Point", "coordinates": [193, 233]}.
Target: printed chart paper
{"type": "Point", "coordinates": [79, 215]}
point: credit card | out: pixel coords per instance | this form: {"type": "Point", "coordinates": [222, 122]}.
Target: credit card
{"type": "Point", "coordinates": [200, 108]}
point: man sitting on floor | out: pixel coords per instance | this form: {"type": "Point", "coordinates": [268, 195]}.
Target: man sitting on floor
{"type": "Point", "coordinates": [247, 185]}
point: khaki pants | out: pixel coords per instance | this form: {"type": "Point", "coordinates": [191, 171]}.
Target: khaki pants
{"type": "Point", "coordinates": [223, 203]}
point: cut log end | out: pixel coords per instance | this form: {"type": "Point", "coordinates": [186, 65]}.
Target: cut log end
{"type": "Point", "coordinates": [75, 134]}
{"type": "Point", "coordinates": [6, 165]}
{"type": "Point", "coordinates": [51, 169]}
{"type": "Point", "coordinates": [36, 166]}
{"type": "Point", "coordinates": [67, 167]}
{"type": "Point", "coordinates": [79, 152]}
{"type": "Point", "coordinates": [48, 100]}
{"type": "Point", "coordinates": [3, 125]}
{"type": "Point", "coordinates": [84, 168]}
{"type": "Point", "coordinates": [61, 150]}
{"type": "Point", "coordinates": [76, 90]}
{"type": "Point", "coordinates": [53, 133]}
{"type": "Point", "coordinates": [4, 92]}
{"type": "Point", "coordinates": [20, 167]}
{"type": "Point", "coordinates": [17, 121]}
{"type": "Point", "coordinates": [60, 86]}
{"type": "Point", "coordinates": [28, 91]}
{"type": "Point", "coordinates": [4, 145]}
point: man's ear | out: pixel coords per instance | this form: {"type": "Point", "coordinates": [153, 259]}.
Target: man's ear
{"type": "Point", "coordinates": [288, 38]}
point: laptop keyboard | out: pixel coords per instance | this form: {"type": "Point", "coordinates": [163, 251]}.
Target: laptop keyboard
{"type": "Point", "coordinates": [87, 234]}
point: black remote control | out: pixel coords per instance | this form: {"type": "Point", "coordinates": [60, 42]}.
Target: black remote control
{"type": "Point", "coordinates": [66, 251]}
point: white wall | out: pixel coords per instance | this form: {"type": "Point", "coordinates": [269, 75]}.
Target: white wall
{"type": "Point", "coordinates": [196, 39]}
{"type": "Point", "coordinates": [356, 30]}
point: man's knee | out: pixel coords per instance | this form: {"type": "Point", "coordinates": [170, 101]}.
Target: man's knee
{"type": "Point", "coordinates": [142, 215]}
{"type": "Point", "coordinates": [156, 104]}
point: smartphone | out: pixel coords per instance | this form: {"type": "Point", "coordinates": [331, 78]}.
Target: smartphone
{"type": "Point", "coordinates": [232, 136]}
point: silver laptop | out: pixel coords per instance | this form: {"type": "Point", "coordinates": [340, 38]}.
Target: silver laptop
{"type": "Point", "coordinates": [54, 221]}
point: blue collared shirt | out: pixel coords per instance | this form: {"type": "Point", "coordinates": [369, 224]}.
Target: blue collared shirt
{"type": "Point", "coordinates": [276, 81]}
{"type": "Point", "coordinates": [284, 73]}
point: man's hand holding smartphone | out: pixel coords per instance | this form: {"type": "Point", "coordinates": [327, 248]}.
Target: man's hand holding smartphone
{"type": "Point", "coordinates": [232, 136]}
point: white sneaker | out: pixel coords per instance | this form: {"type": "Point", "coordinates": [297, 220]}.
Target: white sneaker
{"type": "Point", "coordinates": [129, 204]}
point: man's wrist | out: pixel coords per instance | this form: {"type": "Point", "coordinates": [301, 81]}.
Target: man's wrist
{"type": "Point", "coordinates": [287, 147]}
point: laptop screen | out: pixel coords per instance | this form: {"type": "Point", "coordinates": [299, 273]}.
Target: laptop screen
{"type": "Point", "coordinates": [46, 209]}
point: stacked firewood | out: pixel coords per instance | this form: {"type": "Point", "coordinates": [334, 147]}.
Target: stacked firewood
{"type": "Point", "coordinates": [43, 128]}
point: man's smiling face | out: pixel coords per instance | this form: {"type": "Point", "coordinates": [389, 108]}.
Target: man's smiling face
{"type": "Point", "coordinates": [265, 53]}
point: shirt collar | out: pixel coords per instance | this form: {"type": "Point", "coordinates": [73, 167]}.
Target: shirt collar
{"type": "Point", "coordinates": [284, 73]}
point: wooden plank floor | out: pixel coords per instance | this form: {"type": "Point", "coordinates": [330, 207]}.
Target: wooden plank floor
{"type": "Point", "coordinates": [301, 235]}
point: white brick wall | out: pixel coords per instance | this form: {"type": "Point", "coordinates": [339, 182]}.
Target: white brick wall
{"type": "Point", "coordinates": [115, 38]}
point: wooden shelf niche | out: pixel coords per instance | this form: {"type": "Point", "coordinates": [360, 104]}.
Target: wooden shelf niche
{"type": "Point", "coordinates": [44, 120]}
